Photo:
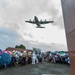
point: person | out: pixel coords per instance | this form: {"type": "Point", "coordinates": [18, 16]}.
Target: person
{"type": "Point", "coordinates": [54, 60]}
{"type": "Point", "coordinates": [37, 60]}
{"type": "Point", "coordinates": [5, 65]}
{"type": "Point", "coordinates": [58, 60]}
{"type": "Point", "coordinates": [10, 64]}
{"type": "Point", "coordinates": [40, 59]}
{"type": "Point", "coordinates": [20, 61]}
{"type": "Point", "coordinates": [49, 58]}
{"type": "Point", "coordinates": [24, 60]}
{"type": "Point", "coordinates": [33, 59]}
{"type": "Point", "coordinates": [0, 66]}
{"type": "Point", "coordinates": [13, 60]}
{"type": "Point", "coordinates": [29, 60]}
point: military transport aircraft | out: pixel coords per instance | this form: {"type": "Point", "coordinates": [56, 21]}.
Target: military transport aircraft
{"type": "Point", "coordinates": [38, 23]}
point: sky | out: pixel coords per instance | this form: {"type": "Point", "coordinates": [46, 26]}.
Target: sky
{"type": "Point", "coordinates": [15, 31]}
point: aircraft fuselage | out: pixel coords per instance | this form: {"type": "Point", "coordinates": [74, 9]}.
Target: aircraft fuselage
{"type": "Point", "coordinates": [37, 21]}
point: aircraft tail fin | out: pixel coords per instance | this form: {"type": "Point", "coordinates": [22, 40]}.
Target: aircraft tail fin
{"type": "Point", "coordinates": [40, 27]}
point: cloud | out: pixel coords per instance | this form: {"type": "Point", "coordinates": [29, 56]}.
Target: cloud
{"type": "Point", "coordinates": [8, 37]}
{"type": "Point", "coordinates": [45, 47]}
{"type": "Point", "coordinates": [52, 47]}
{"type": "Point", "coordinates": [14, 30]}
{"type": "Point", "coordinates": [16, 11]}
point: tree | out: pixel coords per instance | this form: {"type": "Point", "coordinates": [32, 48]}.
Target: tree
{"type": "Point", "coordinates": [16, 46]}
{"type": "Point", "coordinates": [34, 49]}
{"type": "Point", "coordinates": [20, 46]}
{"type": "Point", "coordinates": [37, 50]}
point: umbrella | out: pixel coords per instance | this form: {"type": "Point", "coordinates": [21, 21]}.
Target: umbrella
{"type": "Point", "coordinates": [5, 58]}
{"type": "Point", "coordinates": [8, 52]}
{"type": "Point", "coordinates": [62, 53]}
{"type": "Point", "coordinates": [0, 51]}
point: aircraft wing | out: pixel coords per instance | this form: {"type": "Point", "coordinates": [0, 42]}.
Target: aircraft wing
{"type": "Point", "coordinates": [45, 22]}
{"type": "Point", "coordinates": [33, 22]}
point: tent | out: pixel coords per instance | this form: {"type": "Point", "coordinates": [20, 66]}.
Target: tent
{"type": "Point", "coordinates": [5, 59]}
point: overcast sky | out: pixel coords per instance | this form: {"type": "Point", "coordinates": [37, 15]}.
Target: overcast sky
{"type": "Point", "coordinates": [15, 31]}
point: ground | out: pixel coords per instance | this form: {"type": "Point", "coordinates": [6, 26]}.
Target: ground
{"type": "Point", "coordinates": [44, 68]}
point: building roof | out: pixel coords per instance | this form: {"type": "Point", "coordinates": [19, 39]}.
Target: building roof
{"type": "Point", "coordinates": [17, 49]}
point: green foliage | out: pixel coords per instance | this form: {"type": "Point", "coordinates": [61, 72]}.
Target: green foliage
{"type": "Point", "coordinates": [16, 46]}
{"type": "Point", "coordinates": [34, 49]}
{"type": "Point", "coordinates": [20, 46]}
{"type": "Point", "coordinates": [37, 50]}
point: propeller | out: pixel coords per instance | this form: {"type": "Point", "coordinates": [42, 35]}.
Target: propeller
{"type": "Point", "coordinates": [30, 19]}
{"type": "Point", "coordinates": [45, 20]}
{"type": "Point", "coordinates": [41, 20]}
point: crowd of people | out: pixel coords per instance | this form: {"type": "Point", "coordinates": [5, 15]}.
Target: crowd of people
{"type": "Point", "coordinates": [17, 58]}
{"type": "Point", "coordinates": [57, 57]}
{"type": "Point", "coordinates": [20, 59]}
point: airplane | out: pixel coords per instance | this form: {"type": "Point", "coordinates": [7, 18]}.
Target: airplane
{"type": "Point", "coordinates": [38, 23]}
